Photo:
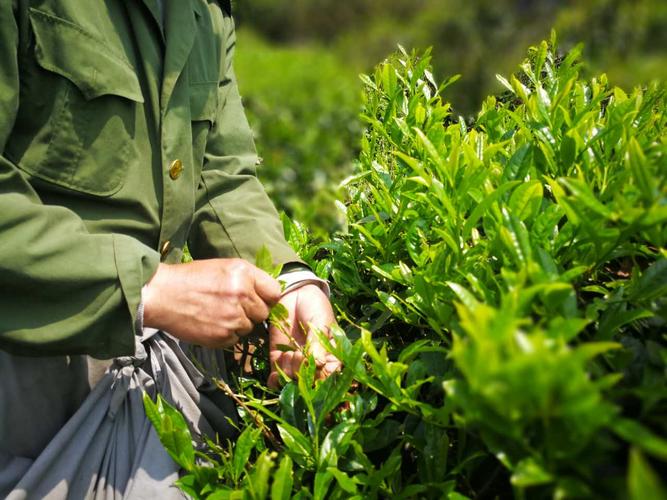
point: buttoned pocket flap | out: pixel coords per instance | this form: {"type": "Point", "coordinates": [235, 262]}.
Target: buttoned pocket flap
{"type": "Point", "coordinates": [70, 51]}
{"type": "Point", "coordinates": [203, 101]}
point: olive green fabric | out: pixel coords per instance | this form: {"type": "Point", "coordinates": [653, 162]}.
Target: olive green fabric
{"type": "Point", "coordinates": [96, 103]}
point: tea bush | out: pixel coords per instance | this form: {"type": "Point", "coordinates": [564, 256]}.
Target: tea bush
{"type": "Point", "coordinates": [502, 285]}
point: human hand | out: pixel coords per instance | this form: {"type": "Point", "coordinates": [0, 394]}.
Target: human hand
{"type": "Point", "coordinates": [209, 302]}
{"type": "Point", "coordinates": [308, 310]}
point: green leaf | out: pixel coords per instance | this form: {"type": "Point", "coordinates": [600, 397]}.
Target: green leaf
{"type": "Point", "coordinates": [505, 83]}
{"type": "Point", "coordinates": [323, 480]}
{"type": "Point", "coordinates": [584, 196]}
{"type": "Point", "coordinates": [297, 444]}
{"type": "Point", "coordinates": [433, 154]}
{"type": "Point", "coordinates": [347, 483]}
{"type": "Point", "coordinates": [457, 496]}
{"type": "Point", "coordinates": [285, 348]}
{"type": "Point", "coordinates": [264, 261]}
{"type": "Point", "coordinates": [643, 483]}
{"type": "Point", "coordinates": [467, 298]}
{"type": "Point", "coordinates": [614, 318]}
{"type": "Point", "coordinates": [243, 447]}
{"type": "Point", "coordinates": [281, 489]}
{"type": "Point", "coordinates": [416, 166]}
{"type": "Point", "coordinates": [638, 435]}
{"type": "Point", "coordinates": [172, 430]}
{"type": "Point", "coordinates": [568, 152]}
{"type": "Point", "coordinates": [569, 487]}
{"type": "Point", "coordinates": [335, 443]}
{"type": "Point", "coordinates": [278, 315]}
{"type": "Point", "coordinates": [289, 405]}
{"type": "Point", "coordinates": [482, 207]}
{"type": "Point", "coordinates": [639, 166]}
{"type": "Point", "coordinates": [528, 472]}
{"type": "Point", "coordinates": [652, 283]}
{"type": "Point", "coordinates": [189, 484]}
{"type": "Point", "coordinates": [257, 482]}
{"type": "Point", "coordinates": [526, 199]}
{"type": "Point", "coordinates": [336, 389]}
{"type": "Point", "coordinates": [589, 350]}
{"type": "Point", "coordinates": [225, 493]}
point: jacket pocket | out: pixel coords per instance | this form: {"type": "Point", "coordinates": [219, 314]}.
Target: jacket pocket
{"type": "Point", "coordinates": [91, 130]}
{"type": "Point", "coordinates": [203, 113]}
{"type": "Point", "coordinates": [203, 101]}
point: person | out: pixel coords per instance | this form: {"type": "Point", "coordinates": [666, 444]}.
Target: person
{"type": "Point", "coordinates": [123, 139]}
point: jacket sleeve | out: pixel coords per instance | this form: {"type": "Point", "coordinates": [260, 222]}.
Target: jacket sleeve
{"type": "Point", "coordinates": [63, 290]}
{"type": "Point", "coordinates": [234, 216]}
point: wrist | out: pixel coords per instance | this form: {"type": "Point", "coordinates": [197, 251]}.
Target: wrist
{"type": "Point", "coordinates": [152, 295]}
{"type": "Point", "coordinates": [296, 279]}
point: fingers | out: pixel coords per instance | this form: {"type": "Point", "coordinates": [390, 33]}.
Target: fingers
{"type": "Point", "coordinates": [289, 362]}
{"type": "Point", "coordinates": [329, 367]}
{"type": "Point", "coordinates": [242, 325]}
{"type": "Point", "coordinates": [218, 342]}
{"type": "Point", "coordinates": [266, 287]}
{"type": "Point", "coordinates": [327, 363]}
{"type": "Point", "coordinates": [274, 380]}
{"type": "Point", "coordinates": [250, 287]}
{"type": "Point", "coordinates": [255, 309]}
{"type": "Point", "coordinates": [209, 302]}
{"type": "Point", "coordinates": [309, 311]}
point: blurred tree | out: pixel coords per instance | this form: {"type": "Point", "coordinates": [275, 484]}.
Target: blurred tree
{"type": "Point", "coordinates": [302, 103]}
{"type": "Point", "coordinates": [627, 38]}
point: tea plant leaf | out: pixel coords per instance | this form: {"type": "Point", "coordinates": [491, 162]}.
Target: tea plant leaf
{"type": "Point", "coordinates": [335, 444]}
{"type": "Point", "coordinates": [348, 484]}
{"type": "Point", "coordinates": [257, 482]}
{"type": "Point", "coordinates": [640, 436]}
{"type": "Point", "coordinates": [643, 483]}
{"type": "Point", "coordinates": [528, 472]}
{"type": "Point", "coordinates": [640, 171]}
{"type": "Point", "coordinates": [172, 430]}
{"type": "Point", "coordinates": [244, 446]}
{"type": "Point", "coordinates": [281, 489]}
{"type": "Point", "coordinates": [322, 482]}
{"type": "Point", "coordinates": [614, 318]}
{"type": "Point", "coordinates": [278, 315]}
{"type": "Point", "coordinates": [482, 207]}
{"type": "Point", "coordinates": [298, 446]}
{"type": "Point", "coordinates": [264, 261]}
{"type": "Point", "coordinates": [583, 194]}
{"type": "Point", "coordinates": [464, 296]}
{"type": "Point", "coordinates": [652, 283]}
{"type": "Point", "coordinates": [456, 496]}
{"type": "Point", "coordinates": [485, 266]}
{"type": "Point", "coordinates": [526, 199]}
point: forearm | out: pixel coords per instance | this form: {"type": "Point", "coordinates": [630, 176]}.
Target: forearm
{"type": "Point", "coordinates": [64, 290]}
{"type": "Point", "coordinates": [234, 216]}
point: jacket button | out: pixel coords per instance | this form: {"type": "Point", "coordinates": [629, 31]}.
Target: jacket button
{"type": "Point", "coordinates": [164, 248]}
{"type": "Point", "coordinates": [175, 169]}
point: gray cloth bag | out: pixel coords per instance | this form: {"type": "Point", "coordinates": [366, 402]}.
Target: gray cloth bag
{"type": "Point", "coordinates": [108, 449]}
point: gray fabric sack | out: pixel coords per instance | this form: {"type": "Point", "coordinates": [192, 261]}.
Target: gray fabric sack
{"type": "Point", "coordinates": [108, 449]}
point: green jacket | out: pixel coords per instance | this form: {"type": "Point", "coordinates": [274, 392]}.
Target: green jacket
{"type": "Point", "coordinates": [122, 140]}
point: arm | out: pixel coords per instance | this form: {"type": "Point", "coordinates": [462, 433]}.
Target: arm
{"type": "Point", "coordinates": [234, 216]}
{"type": "Point", "coordinates": [63, 290]}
